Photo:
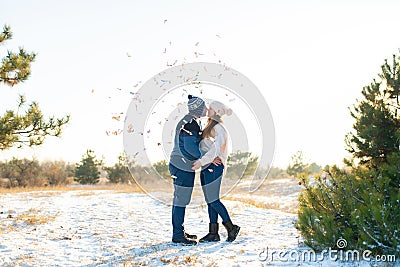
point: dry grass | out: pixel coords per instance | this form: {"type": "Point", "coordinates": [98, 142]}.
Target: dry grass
{"type": "Point", "coordinates": [120, 188]}
{"type": "Point", "coordinates": [85, 193]}
{"type": "Point", "coordinates": [254, 202]}
{"type": "Point", "coordinates": [4, 229]}
{"type": "Point", "coordinates": [32, 219]}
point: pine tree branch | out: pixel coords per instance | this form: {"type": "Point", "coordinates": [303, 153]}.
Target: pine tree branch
{"type": "Point", "coordinates": [6, 34]}
{"type": "Point", "coordinates": [376, 241]}
{"type": "Point", "coordinates": [359, 200]}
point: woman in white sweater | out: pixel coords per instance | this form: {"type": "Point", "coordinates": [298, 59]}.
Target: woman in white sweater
{"type": "Point", "coordinates": [215, 144]}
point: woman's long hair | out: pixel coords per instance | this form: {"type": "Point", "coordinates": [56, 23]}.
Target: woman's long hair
{"type": "Point", "coordinates": [211, 122]}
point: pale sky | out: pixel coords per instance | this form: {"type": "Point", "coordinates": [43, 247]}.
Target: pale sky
{"type": "Point", "coordinates": [310, 60]}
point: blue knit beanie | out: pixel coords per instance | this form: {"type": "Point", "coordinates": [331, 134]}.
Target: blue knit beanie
{"type": "Point", "coordinates": [196, 106]}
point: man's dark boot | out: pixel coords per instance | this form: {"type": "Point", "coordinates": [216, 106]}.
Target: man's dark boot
{"type": "Point", "coordinates": [233, 230]}
{"type": "Point", "coordinates": [212, 235]}
{"type": "Point", "coordinates": [185, 241]}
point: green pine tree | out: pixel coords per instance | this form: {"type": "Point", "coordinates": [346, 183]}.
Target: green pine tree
{"type": "Point", "coordinates": [376, 127]}
{"type": "Point", "coordinates": [241, 164]}
{"type": "Point", "coordinates": [26, 125]}
{"type": "Point", "coordinates": [361, 204]}
{"type": "Point", "coordinates": [119, 173]}
{"type": "Point", "coordinates": [87, 171]}
{"type": "Point", "coordinates": [162, 168]}
{"type": "Point", "coordinates": [298, 165]}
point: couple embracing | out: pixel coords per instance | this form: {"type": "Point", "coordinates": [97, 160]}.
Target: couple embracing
{"type": "Point", "coordinates": [207, 149]}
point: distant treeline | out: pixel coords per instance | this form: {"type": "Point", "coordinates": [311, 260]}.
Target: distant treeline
{"type": "Point", "coordinates": [32, 173]}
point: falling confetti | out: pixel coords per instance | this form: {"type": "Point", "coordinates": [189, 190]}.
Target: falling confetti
{"type": "Point", "coordinates": [115, 132]}
{"type": "Point", "coordinates": [190, 133]}
{"type": "Point", "coordinates": [173, 64]}
{"type": "Point", "coordinates": [165, 21]}
{"type": "Point", "coordinates": [129, 55]}
{"type": "Point", "coordinates": [210, 170]}
{"type": "Point", "coordinates": [130, 128]}
{"type": "Point", "coordinates": [137, 84]}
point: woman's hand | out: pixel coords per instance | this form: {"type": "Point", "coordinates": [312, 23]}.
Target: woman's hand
{"type": "Point", "coordinates": [217, 161]}
{"type": "Point", "coordinates": [196, 165]}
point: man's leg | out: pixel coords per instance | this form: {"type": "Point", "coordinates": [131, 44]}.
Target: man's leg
{"type": "Point", "coordinates": [183, 187]}
{"type": "Point", "coordinates": [178, 216]}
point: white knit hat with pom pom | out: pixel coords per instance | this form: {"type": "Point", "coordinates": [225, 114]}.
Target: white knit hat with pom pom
{"type": "Point", "coordinates": [220, 109]}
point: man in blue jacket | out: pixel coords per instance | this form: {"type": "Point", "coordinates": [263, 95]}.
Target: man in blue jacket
{"type": "Point", "coordinates": [185, 152]}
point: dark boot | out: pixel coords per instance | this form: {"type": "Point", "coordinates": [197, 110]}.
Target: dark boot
{"type": "Point", "coordinates": [212, 235]}
{"type": "Point", "coordinates": [185, 241]}
{"type": "Point", "coordinates": [233, 230]}
{"type": "Point", "coordinates": [188, 236]}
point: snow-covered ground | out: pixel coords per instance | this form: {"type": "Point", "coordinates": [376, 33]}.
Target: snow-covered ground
{"type": "Point", "coordinates": [108, 228]}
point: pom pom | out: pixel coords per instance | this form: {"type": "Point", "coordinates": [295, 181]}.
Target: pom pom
{"type": "Point", "coordinates": [190, 96]}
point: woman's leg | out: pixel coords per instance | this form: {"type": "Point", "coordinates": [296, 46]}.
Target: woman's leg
{"type": "Point", "coordinates": [220, 208]}
{"type": "Point", "coordinates": [212, 235]}
{"type": "Point", "coordinates": [212, 214]}
{"type": "Point", "coordinates": [212, 177]}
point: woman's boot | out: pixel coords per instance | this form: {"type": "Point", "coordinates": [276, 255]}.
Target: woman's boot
{"type": "Point", "coordinates": [212, 235]}
{"type": "Point", "coordinates": [233, 230]}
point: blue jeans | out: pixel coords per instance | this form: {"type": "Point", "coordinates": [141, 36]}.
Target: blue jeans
{"type": "Point", "coordinates": [210, 179]}
{"type": "Point", "coordinates": [183, 187]}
